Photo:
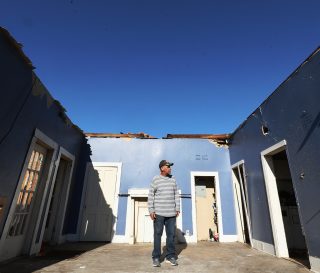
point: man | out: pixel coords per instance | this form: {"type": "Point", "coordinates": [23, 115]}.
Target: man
{"type": "Point", "coordinates": [164, 207]}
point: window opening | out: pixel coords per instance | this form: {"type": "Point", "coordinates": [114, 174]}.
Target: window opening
{"type": "Point", "coordinates": [27, 192]}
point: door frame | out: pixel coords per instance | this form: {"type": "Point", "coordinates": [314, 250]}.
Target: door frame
{"type": "Point", "coordinates": [244, 193]}
{"type": "Point", "coordinates": [84, 193]}
{"type": "Point", "coordinates": [58, 238]}
{"type": "Point", "coordinates": [278, 231]}
{"type": "Point", "coordinates": [133, 194]}
{"type": "Point", "coordinates": [29, 246]}
{"type": "Point", "coordinates": [193, 174]}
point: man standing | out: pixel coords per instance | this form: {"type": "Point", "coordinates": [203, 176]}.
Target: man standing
{"type": "Point", "coordinates": [164, 207]}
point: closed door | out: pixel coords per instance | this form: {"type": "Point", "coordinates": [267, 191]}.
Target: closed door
{"type": "Point", "coordinates": [19, 225]}
{"type": "Point", "coordinates": [144, 224]}
{"type": "Point", "coordinates": [98, 218]}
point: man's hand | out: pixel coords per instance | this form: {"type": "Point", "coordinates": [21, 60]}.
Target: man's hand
{"type": "Point", "coordinates": [177, 213]}
{"type": "Point", "coordinates": [153, 216]}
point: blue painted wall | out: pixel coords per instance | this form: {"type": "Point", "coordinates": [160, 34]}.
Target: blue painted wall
{"type": "Point", "coordinates": [25, 105]}
{"type": "Point", "coordinates": [141, 157]}
{"type": "Point", "coordinates": [292, 113]}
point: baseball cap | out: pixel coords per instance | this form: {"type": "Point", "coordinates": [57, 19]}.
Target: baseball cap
{"type": "Point", "coordinates": [164, 163]}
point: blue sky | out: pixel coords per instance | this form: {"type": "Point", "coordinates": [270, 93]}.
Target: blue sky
{"type": "Point", "coordinates": [162, 66]}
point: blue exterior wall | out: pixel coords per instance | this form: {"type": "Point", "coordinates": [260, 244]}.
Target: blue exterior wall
{"type": "Point", "coordinates": [25, 105]}
{"type": "Point", "coordinates": [291, 113]}
{"type": "Point", "coordinates": [140, 159]}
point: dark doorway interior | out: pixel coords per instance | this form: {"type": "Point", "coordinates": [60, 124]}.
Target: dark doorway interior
{"type": "Point", "coordinates": [242, 201]}
{"type": "Point", "coordinates": [295, 239]}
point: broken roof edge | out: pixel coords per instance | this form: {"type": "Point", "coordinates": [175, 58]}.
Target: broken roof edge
{"type": "Point", "coordinates": [62, 112]}
{"type": "Point", "coordinates": [201, 136]}
{"type": "Point", "coordinates": [277, 89]}
{"type": "Point", "coordinates": [121, 135]}
{"type": "Point", "coordinates": [217, 137]}
{"type": "Point", "coordinates": [18, 46]}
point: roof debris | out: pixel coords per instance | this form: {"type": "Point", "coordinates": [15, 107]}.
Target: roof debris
{"type": "Point", "coordinates": [121, 135]}
{"type": "Point", "coordinates": [219, 140]}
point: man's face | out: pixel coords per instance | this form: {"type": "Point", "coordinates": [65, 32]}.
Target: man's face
{"type": "Point", "coordinates": [166, 169]}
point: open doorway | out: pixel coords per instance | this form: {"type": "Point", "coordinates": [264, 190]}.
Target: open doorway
{"type": "Point", "coordinates": [206, 208]}
{"type": "Point", "coordinates": [284, 212]}
{"type": "Point", "coordinates": [241, 203]}
{"type": "Point", "coordinates": [59, 198]}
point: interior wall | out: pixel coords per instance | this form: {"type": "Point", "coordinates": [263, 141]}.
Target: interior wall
{"type": "Point", "coordinates": [25, 105]}
{"type": "Point", "coordinates": [291, 113]}
{"type": "Point", "coordinates": [140, 159]}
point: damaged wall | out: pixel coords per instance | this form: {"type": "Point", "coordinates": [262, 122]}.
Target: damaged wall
{"type": "Point", "coordinates": [26, 105]}
{"type": "Point", "coordinates": [140, 159]}
{"type": "Point", "coordinates": [291, 113]}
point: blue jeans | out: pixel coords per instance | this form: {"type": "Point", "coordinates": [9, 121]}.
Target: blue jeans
{"type": "Point", "coordinates": [170, 224]}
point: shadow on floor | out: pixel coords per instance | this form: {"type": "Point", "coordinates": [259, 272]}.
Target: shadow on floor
{"type": "Point", "coordinates": [179, 248]}
{"type": "Point", "coordinates": [48, 256]}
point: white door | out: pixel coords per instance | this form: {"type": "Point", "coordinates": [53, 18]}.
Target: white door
{"type": "Point", "coordinates": [144, 225]}
{"type": "Point", "coordinates": [98, 217]}
{"type": "Point", "coordinates": [16, 237]}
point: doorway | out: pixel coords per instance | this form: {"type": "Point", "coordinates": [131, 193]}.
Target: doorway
{"type": "Point", "coordinates": [59, 198]}
{"type": "Point", "coordinates": [100, 202]}
{"type": "Point", "coordinates": [206, 207]}
{"type": "Point", "coordinates": [23, 224]}
{"type": "Point", "coordinates": [31, 191]}
{"type": "Point", "coordinates": [139, 226]}
{"type": "Point", "coordinates": [143, 225]}
{"type": "Point", "coordinates": [241, 203]}
{"type": "Point", "coordinates": [284, 212]}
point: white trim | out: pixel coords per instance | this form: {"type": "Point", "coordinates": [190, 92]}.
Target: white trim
{"type": "Point", "coordinates": [133, 193]}
{"type": "Point", "coordinates": [119, 239]}
{"type": "Point", "coordinates": [279, 236]}
{"type": "Point", "coordinates": [229, 239]}
{"type": "Point", "coordinates": [264, 247]}
{"type": "Point", "coordinates": [315, 264]}
{"type": "Point", "coordinates": [29, 245]}
{"type": "Point", "coordinates": [237, 208]}
{"type": "Point", "coordinates": [35, 247]}
{"type": "Point", "coordinates": [244, 200]}
{"type": "Point", "coordinates": [45, 139]}
{"type": "Point", "coordinates": [58, 237]}
{"type": "Point", "coordinates": [193, 237]}
{"type": "Point", "coordinates": [14, 201]}
{"type": "Point", "coordinates": [116, 200]}
{"type": "Point", "coordinates": [83, 193]}
{"type": "Point", "coordinates": [280, 146]}
{"type": "Point", "coordinates": [235, 165]}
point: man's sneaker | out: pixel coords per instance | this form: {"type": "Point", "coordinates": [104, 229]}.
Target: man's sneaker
{"type": "Point", "coordinates": [172, 261]}
{"type": "Point", "coordinates": [156, 262]}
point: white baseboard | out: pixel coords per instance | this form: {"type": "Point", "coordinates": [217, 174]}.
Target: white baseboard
{"type": "Point", "coordinates": [119, 239]}
{"type": "Point", "coordinates": [315, 264]}
{"type": "Point", "coordinates": [228, 238]}
{"type": "Point", "coordinates": [190, 239]}
{"type": "Point", "coordinates": [264, 247]}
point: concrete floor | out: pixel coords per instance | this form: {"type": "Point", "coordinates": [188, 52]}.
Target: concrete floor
{"type": "Point", "coordinates": [202, 257]}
